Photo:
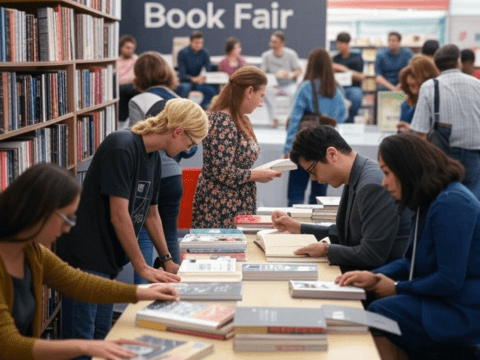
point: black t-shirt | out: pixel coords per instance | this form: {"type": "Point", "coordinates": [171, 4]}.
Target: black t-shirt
{"type": "Point", "coordinates": [353, 62]}
{"type": "Point", "coordinates": [120, 167]}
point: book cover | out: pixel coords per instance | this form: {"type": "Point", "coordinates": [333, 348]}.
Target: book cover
{"type": "Point", "coordinates": [205, 270]}
{"type": "Point", "coordinates": [325, 290]}
{"type": "Point", "coordinates": [253, 220]}
{"type": "Point", "coordinates": [279, 165]}
{"type": "Point", "coordinates": [290, 271]}
{"type": "Point", "coordinates": [239, 256]}
{"type": "Point", "coordinates": [209, 291]}
{"type": "Point", "coordinates": [216, 232]}
{"type": "Point", "coordinates": [194, 241]}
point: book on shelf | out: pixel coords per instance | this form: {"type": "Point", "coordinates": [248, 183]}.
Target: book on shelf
{"type": "Point", "coordinates": [204, 270]}
{"type": "Point", "coordinates": [344, 319]}
{"type": "Point", "coordinates": [252, 271]}
{"type": "Point", "coordinates": [279, 165]}
{"type": "Point", "coordinates": [253, 223]}
{"type": "Point", "coordinates": [239, 256]}
{"type": "Point", "coordinates": [369, 54]}
{"type": "Point", "coordinates": [325, 290]}
{"type": "Point", "coordinates": [210, 321]}
{"type": "Point", "coordinates": [156, 348]}
{"type": "Point", "coordinates": [197, 241]}
{"type": "Point", "coordinates": [211, 291]}
{"type": "Point", "coordinates": [369, 84]}
{"type": "Point", "coordinates": [280, 247]}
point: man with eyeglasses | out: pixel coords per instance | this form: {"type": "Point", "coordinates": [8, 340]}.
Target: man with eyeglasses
{"type": "Point", "coordinates": [369, 231]}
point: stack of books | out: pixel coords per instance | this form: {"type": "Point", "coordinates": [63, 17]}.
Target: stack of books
{"type": "Point", "coordinates": [210, 321]}
{"type": "Point", "coordinates": [325, 290]}
{"type": "Point", "coordinates": [253, 223]}
{"type": "Point", "coordinates": [329, 211]}
{"type": "Point", "coordinates": [279, 247]}
{"type": "Point", "coordinates": [279, 329]}
{"type": "Point", "coordinates": [299, 214]}
{"type": "Point", "coordinates": [279, 271]}
{"type": "Point", "coordinates": [204, 270]}
{"type": "Point", "coordinates": [214, 243]}
{"type": "Point", "coordinates": [211, 291]}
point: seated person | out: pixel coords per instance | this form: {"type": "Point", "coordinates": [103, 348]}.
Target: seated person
{"type": "Point", "coordinates": [191, 60]}
{"type": "Point", "coordinates": [369, 231]}
{"type": "Point", "coordinates": [433, 292]}
{"type": "Point", "coordinates": [232, 60]}
{"type": "Point", "coordinates": [125, 64]}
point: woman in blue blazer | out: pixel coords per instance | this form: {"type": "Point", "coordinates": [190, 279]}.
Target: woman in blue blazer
{"type": "Point", "coordinates": [434, 291]}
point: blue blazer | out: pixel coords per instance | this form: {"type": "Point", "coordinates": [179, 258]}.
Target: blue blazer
{"type": "Point", "coordinates": [447, 267]}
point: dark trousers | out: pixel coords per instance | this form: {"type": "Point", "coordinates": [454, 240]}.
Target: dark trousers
{"type": "Point", "coordinates": [470, 159]}
{"type": "Point", "coordinates": [208, 92]}
{"type": "Point", "coordinates": [297, 184]}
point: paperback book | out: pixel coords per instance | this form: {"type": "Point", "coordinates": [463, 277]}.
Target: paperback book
{"type": "Point", "coordinates": [253, 223]}
{"type": "Point", "coordinates": [221, 291]}
{"type": "Point", "coordinates": [279, 271]}
{"type": "Point", "coordinates": [204, 270]}
{"type": "Point", "coordinates": [279, 165]}
{"type": "Point", "coordinates": [198, 241]}
{"type": "Point", "coordinates": [325, 290]}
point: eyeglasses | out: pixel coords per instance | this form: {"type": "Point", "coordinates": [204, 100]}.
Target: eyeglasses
{"type": "Point", "coordinates": [310, 168]}
{"type": "Point", "coordinates": [191, 139]}
{"type": "Point", "coordinates": [71, 221]}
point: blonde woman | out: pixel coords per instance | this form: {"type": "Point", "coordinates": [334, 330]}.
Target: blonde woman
{"type": "Point", "coordinates": [120, 195]}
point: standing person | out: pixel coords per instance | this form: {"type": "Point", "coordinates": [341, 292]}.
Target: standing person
{"type": "Point", "coordinates": [368, 231]}
{"type": "Point", "coordinates": [429, 47]}
{"type": "Point", "coordinates": [459, 106]}
{"type": "Point", "coordinates": [226, 186]}
{"type": "Point", "coordinates": [283, 63]}
{"type": "Point", "coordinates": [120, 195]}
{"type": "Point", "coordinates": [156, 81]}
{"type": "Point", "coordinates": [390, 61]}
{"type": "Point", "coordinates": [467, 58]}
{"type": "Point", "coordinates": [232, 61]}
{"type": "Point", "coordinates": [125, 64]}
{"type": "Point", "coordinates": [37, 208]}
{"type": "Point", "coordinates": [433, 292]}
{"type": "Point", "coordinates": [421, 69]}
{"type": "Point", "coordinates": [191, 60]}
{"type": "Point", "coordinates": [330, 102]}
{"type": "Point", "coordinates": [347, 61]}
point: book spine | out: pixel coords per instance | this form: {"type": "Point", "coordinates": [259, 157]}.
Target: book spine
{"type": "Point", "coordinates": [161, 327]}
{"type": "Point", "coordinates": [2, 35]}
{"type": "Point", "coordinates": [43, 36]}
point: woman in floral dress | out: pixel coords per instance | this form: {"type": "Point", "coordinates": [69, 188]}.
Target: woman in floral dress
{"type": "Point", "coordinates": [226, 186]}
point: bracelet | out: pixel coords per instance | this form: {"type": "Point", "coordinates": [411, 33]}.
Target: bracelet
{"type": "Point", "coordinates": [165, 257]}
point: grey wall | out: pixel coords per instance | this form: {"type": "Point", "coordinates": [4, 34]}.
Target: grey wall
{"type": "Point", "coordinates": [155, 23]}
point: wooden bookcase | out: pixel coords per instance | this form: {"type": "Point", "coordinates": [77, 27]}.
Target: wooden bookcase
{"type": "Point", "coordinates": [97, 12]}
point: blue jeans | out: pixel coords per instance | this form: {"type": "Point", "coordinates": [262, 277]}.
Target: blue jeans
{"type": "Point", "coordinates": [297, 183]}
{"type": "Point", "coordinates": [169, 199]}
{"type": "Point", "coordinates": [208, 92]}
{"type": "Point", "coordinates": [82, 320]}
{"type": "Point", "coordinates": [355, 95]}
{"type": "Point", "coordinates": [471, 161]}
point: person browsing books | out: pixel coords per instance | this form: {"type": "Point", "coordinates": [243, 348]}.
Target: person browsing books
{"type": "Point", "coordinates": [369, 230]}
{"type": "Point", "coordinates": [36, 209]}
{"type": "Point", "coordinates": [119, 197]}
{"type": "Point", "coordinates": [226, 186]}
{"type": "Point", "coordinates": [434, 291]}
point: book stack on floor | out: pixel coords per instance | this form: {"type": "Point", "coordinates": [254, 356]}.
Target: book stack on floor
{"type": "Point", "coordinates": [279, 329]}
{"type": "Point", "coordinates": [211, 291]}
{"type": "Point", "coordinates": [279, 247]}
{"type": "Point", "coordinates": [299, 214]}
{"type": "Point", "coordinates": [279, 271]}
{"type": "Point", "coordinates": [251, 224]}
{"type": "Point", "coordinates": [325, 290]}
{"type": "Point", "coordinates": [204, 270]}
{"type": "Point", "coordinates": [329, 211]}
{"type": "Point", "coordinates": [159, 348]}
{"type": "Point", "coordinates": [210, 321]}
{"type": "Point", "coordinates": [214, 243]}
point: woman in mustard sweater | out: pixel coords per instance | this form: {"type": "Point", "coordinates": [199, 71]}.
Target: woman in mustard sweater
{"type": "Point", "coordinates": [36, 209]}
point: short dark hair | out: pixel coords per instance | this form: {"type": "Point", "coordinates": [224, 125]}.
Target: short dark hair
{"type": "Point", "coordinates": [467, 55]}
{"type": "Point", "coordinates": [446, 57]}
{"type": "Point", "coordinates": [429, 47]}
{"type": "Point", "coordinates": [421, 167]}
{"type": "Point", "coordinates": [281, 35]}
{"type": "Point", "coordinates": [394, 33]}
{"type": "Point", "coordinates": [127, 39]}
{"type": "Point", "coordinates": [312, 142]}
{"type": "Point", "coordinates": [32, 198]}
{"type": "Point", "coordinates": [344, 37]}
{"type": "Point", "coordinates": [197, 34]}
{"type": "Point", "coordinates": [230, 44]}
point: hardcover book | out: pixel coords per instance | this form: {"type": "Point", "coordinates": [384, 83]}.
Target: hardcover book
{"type": "Point", "coordinates": [279, 271]}
{"type": "Point", "coordinates": [204, 270]}
{"type": "Point", "coordinates": [279, 165]}
{"type": "Point", "coordinates": [197, 241]}
{"type": "Point", "coordinates": [221, 291]}
{"type": "Point", "coordinates": [253, 223]}
{"type": "Point", "coordinates": [325, 290]}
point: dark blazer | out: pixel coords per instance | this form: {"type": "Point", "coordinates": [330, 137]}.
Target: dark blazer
{"type": "Point", "coordinates": [369, 231]}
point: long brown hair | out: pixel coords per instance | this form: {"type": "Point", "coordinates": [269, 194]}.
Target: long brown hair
{"type": "Point", "coordinates": [423, 69]}
{"type": "Point", "coordinates": [232, 95]}
{"type": "Point", "coordinates": [402, 77]}
{"type": "Point", "coordinates": [320, 67]}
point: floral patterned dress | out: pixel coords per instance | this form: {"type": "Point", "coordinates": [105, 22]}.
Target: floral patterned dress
{"type": "Point", "coordinates": [223, 190]}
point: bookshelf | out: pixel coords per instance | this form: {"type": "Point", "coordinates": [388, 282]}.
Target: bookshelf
{"type": "Point", "coordinates": [58, 91]}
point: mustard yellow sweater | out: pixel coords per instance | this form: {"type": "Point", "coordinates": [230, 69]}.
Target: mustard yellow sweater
{"type": "Point", "coordinates": [49, 270]}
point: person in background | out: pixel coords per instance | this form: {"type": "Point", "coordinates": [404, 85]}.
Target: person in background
{"type": "Point", "coordinates": [348, 61]}
{"type": "Point", "coordinates": [433, 293]}
{"type": "Point", "coordinates": [331, 103]}
{"type": "Point", "coordinates": [459, 106]}
{"type": "Point", "coordinates": [467, 58]}
{"type": "Point", "coordinates": [120, 195]}
{"type": "Point", "coordinates": [369, 230]}
{"type": "Point", "coordinates": [283, 63]}
{"type": "Point", "coordinates": [125, 64]}
{"type": "Point", "coordinates": [232, 61]}
{"type": "Point", "coordinates": [390, 61]}
{"type": "Point", "coordinates": [156, 80]}
{"type": "Point", "coordinates": [37, 208]}
{"type": "Point", "coordinates": [191, 61]}
{"type": "Point", "coordinates": [429, 47]}
{"type": "Point", "coordinates": [421, 69]}
{"type": "Point", "coordinates": [226, 185]}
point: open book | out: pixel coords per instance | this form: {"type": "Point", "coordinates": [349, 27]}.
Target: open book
{"type": "Point", "coordinates": [279, 165]}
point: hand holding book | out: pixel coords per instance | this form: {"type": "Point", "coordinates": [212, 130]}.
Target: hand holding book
{"type": "Point", "coordinates": [282, 222]}
{"type": "Point", "coordinates": [264, 175]}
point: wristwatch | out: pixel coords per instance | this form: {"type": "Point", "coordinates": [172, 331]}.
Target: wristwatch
{"type": "Point", "coordinates": [395, 284]}
{"type": "Point", "coordinates": [164, 258]}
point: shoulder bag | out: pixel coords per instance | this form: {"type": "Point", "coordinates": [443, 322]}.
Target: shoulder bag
{"type": "Point", "coordinates": [439, 132]}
